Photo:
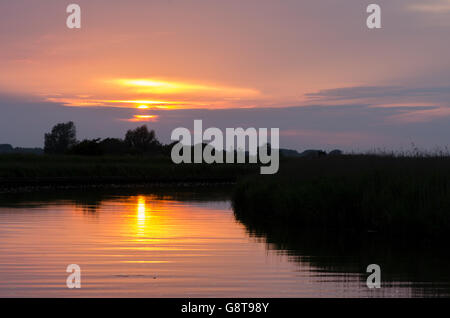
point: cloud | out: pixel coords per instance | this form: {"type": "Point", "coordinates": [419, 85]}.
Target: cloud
{"type": "Point", "coordinates": [156, 86]}
{"type": "Point", "coordinates": [369, 92]}
{"type": "Point", "coordinates": [420, 116]}
{"type": "Point", "coordinates": [143, 118]}
{"type": "Point", "coordinates": [431, 6]}
{"type": "Point", "coordinates": [416, 104]}
{"type": "Point", "coordinates": [152, 93]}
{"type": "Point", "coordinates": [330, 138]}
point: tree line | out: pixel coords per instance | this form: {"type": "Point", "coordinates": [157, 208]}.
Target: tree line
{"type": "Point", "coordinates": [139, 141]}
{"type": "Point", "coordinates": [62, 140]}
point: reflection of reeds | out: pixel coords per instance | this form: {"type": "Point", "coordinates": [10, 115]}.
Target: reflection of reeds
{"type": "Point", "coordinates": [400, 197]}
{"type": "Point", "coordinates": [90, 201]}
{"type": "Point", "coordinates": [424, 269]}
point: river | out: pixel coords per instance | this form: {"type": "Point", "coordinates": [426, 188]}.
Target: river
{"type": "Point", "coordinates": [171, 244]}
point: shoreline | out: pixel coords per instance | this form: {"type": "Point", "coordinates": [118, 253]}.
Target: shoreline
{"type": "Point", "coordinates": [38, 184]}
{"type": "Point", "coordinates": [28, 173]}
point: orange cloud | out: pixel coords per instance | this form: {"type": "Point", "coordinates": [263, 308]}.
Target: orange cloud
{"type": "Point", "coordinates": [155, 94]}
{"type": "Point", "coordinates": [156, 86]}
{"type": "Point", "coordinates": [143, 118]}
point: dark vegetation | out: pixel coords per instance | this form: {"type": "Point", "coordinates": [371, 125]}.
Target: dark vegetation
{"type": "Point", "coordinates": [19, 171]}
{"type": "Point", "coordinates": [62, 140]}
{"type": "Point", "coordinates": [397, 197]}
{"type": "Point", "coordinates": [139, 158]}
{"type": "Point", "coordinates": [8, 149]}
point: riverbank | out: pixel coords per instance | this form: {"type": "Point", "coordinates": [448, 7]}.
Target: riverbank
{"type": "Point", "coordinates": [396, 197]}
{"type": "Point", "coordinates": [29, 172]}
{"type": "Point", "coordinates": [407, 197]}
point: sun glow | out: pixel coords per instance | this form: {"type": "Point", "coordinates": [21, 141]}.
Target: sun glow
{"type": "Point", "coordinates": [147, 104]}
{"type": "Point", "coordinates": [155, 94]}
{"type": "Point", "coordinates": [151, 102]}
{"type": "Point", "coordinates": [160, 86]}
{"type": "Point", "coordinates": [138, 118]}
{"type": "Point", "coordinates": [164, 87]}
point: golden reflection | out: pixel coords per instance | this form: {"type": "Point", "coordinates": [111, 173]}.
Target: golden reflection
{"type": "Point", "coordinates": [147, 221]}
{"type": "Point", "coordinates": [141, 216]}
{"type": "Point", "coordinates": [145, 225]}
{"type": "Point", "coordinates": [153, 220]}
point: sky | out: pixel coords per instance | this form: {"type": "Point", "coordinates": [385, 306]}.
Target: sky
{"type": "Point", "coordinates": [311, 68]}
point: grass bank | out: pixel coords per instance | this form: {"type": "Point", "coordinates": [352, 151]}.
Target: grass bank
{"type": "Point", "coordinates": [53, 170]}
{"type": "Point", "coordinates": [407, 197]}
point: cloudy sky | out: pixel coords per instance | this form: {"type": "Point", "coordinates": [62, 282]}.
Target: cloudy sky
{"type": "Point", "coordinates": [311, 68]}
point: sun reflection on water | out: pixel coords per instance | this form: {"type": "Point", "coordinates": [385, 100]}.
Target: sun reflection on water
{"type": "Point", "coordinates": [141, 217]}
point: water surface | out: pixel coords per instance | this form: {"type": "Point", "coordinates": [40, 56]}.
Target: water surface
{"type": "Point", "coordinates": [165, 245]}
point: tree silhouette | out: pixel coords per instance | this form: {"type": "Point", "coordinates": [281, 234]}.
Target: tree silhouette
{"type": "Point", "coordinates": [61, 138]}
{"type": "Point", "coordinates": [140, 140]}
{"type": "Point", "coordinates": [87, 147]}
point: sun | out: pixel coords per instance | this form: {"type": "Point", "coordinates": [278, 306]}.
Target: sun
{"type": "Point", "coordinates": [143, 107]}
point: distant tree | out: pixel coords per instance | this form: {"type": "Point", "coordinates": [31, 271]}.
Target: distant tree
{"type": "Point", "coordinates": [6, 148]}
{"type": "Point", "coordinates": [335, 152]}
{"type": "Point", "coordinates": [113, 146]}
{"type": "Point", "coordinates": [61, 138]}
{"type": "Point", "coordinates": [87, 147]}
{"type": "Point", "coordinates": [140, 140]}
